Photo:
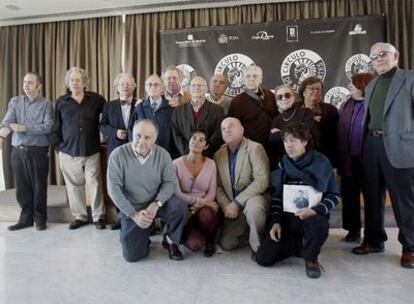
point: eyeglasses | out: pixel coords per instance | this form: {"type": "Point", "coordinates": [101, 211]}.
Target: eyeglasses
{"type": "Point", "coordinates": [286, 95]}
{"type": "Point", "coordinates": [313, 89]}
{"type": "Point", "coordinates": [150, 84]}
{"type": "Point", "coordinates": [380, 55]}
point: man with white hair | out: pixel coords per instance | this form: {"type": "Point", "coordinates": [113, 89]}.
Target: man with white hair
{"type": "Point", "coordinates": [156, 107]}
{"type": "Point", "coordinates": [117, 116]}
{"type": "Point", "coordinates": [141, 183]}
{"type": "Point", "coordinates": [76, 136]}
{"type": "Point", "coordinates": [255, 107]}
{"type": "Point", "coordinates": [388, 158]}
{"type": "Point", "coordinates": [195, 115]}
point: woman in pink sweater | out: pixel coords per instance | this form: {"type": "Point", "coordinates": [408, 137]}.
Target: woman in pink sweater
{"type": "Point", "coordinates": [197, 175]}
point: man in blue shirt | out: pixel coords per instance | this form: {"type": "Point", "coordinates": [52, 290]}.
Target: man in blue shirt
{"type": "Point", "coordinates": [30, 118]}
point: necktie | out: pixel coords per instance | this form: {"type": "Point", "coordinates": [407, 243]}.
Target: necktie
{"type": "Point", "coordinates": [154, 106]}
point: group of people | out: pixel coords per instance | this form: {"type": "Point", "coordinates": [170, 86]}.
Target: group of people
{"type": "Point", "coordinates": [220, 170]}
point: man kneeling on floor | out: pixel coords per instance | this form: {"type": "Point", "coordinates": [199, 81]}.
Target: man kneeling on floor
{"type": "Point", "coordinates": [141, 183]}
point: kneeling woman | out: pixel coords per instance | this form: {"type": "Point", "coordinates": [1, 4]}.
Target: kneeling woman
{"type": "Point", "coordinates": [304, 232]}
{"type": "Point", "coordinates": [197, 186]}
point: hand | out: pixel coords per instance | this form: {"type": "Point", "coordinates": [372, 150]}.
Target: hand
{"type": "Point", "coordinates": [17, 128]}
{"type": "Point", "coordinates": [174, 102]}
{"type": "Point", "coordinates": [231, 211]}
{"type": "Point", "coordinates": [305, 213]}
{"type": "Point", "coordinates": [142, 219]}
{"type": "Point", "coordinates": [152, 210]}
{"type": "Point", "coordinates": [276, 232]}
{"type": "Point", "coordinates": [139, 100]}
{"type": "Point", "coordinates": [274, 130]}
{"type": "Point", "coordinates": [121, 134]}
{"type": "Point", "coordinates": [197, 205]}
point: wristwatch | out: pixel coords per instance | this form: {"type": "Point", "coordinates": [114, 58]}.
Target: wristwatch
{"type": "Point", "coordinates": [159, 204]}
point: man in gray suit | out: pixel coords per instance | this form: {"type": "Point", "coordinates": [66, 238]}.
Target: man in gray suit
{"type": "Point", "coordinates": [388, 152]}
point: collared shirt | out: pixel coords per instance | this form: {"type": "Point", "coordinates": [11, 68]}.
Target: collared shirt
{"type": "Point", "coordinates": [169, 97]}
{"type": "Point", "coordinates": [77, 124]}
{"type": "Point", "coordinates": [157, 102]}
{"type": "Point", "coordinates": [37, 116]}
{"type": "Point", "coordinates": [126, 112]}
{"type": "Point", "coordinates": [197, 105]}
{"type": "Point", "coordinates": [232, 169]}
{"type": "Point", "coordinates": [141, 158]}
{"type": "Point", "coordinates": [224, 101]}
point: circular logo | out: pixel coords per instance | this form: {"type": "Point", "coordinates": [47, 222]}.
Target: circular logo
{"type": "Point", "coordinates": [336, 96]}
{"type": "Point", "coordinates": [299, 65]}
{"type": "Point", "coordinates": [359, 63]}
{"type": "Point", "coordinates": [188, 74]}
{"type": "Point", "coordinates": [233, 67]}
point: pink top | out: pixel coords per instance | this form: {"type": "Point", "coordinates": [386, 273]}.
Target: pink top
{"type": "Point", "coordinates": [200, 189]}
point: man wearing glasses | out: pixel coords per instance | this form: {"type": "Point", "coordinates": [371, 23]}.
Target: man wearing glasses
{"type": "Point", "coordinates": [156, 108]}
{"type": "Point", "coordinates": [388, 152]}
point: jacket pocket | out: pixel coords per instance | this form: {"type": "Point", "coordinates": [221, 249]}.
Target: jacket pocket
{"type": "Point", "coordinates": [407, 136]}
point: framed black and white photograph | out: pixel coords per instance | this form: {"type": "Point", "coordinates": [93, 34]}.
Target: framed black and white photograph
{"type": "Point", "coordinates": [297, 197]}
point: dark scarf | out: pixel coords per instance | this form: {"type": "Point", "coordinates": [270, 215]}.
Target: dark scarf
{"type": "Point", "coordinates": [257, 97]}
{"type": "Point", "coordinates": [312, 169]}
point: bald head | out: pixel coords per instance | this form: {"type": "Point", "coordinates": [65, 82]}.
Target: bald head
{"type": "Point", "coordinates": [232, 132]}
{"type": "Point", "coordinates": [144, 135]}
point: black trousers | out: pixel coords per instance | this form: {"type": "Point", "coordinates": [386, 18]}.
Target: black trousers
{"type": "Point", "coordinates": [135, 241]}
{"type": "Point", "coordinates": [351, 189]}
{"type": "Point", "coordinates": [31, 168]}
{"type": "Point", "coordinates": [309, 234]}
{"type": "Point", "coordinates": [379, 175]}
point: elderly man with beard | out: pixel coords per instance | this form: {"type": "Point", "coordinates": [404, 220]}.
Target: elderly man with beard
{"type": "Point", "coordinates": [141, 183]}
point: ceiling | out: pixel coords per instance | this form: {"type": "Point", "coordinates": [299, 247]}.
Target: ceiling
{"type": "Point", "coordinates": [13, 12]}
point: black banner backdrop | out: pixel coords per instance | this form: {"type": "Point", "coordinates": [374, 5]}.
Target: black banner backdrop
{"type": "Point", "coordinates": [332, 49]}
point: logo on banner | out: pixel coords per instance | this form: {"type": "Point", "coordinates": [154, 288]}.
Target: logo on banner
{"type": "Point", "coordinates": [299, 65]}
{"type": "Point", "coordinates": [190, 41]}
{"type": "Point", "coordinates": [262, 35]}
{"type": "Point", "coordinates": [223, 38]}
{"type": "Point", "coordinates": [188, 74]}
{"type": "Point", "coordinates": [292, 34]}
{"type": "Point", "coordinates": [336, 96]}
{"type": "Point", "coordinates": [358, 30]}
{"type": "Point", "coordinates": [233, 67]}
{"type": "Point", "coordinates": [359, 63]}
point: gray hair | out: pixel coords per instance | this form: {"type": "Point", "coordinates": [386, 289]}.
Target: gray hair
{"type": "Point", "coordinates": [127, 75]}
{"type": "Point", "coordinates": [75, 69]}
{"type": "Point", "coordinates": [148, 122]}
{"type": "Point", "coordinates": [173, 68]}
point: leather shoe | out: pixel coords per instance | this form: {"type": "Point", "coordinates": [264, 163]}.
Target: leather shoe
{"type": "Point", "coordinates": [366, 248]}
{"type": "Point", "coordinates": [77, 224]}
{"type": "Point", "coordinates": [41, 226]}
{"type": "Point", "coordinates": [116, 226]}
{"type": "Point", "coordinates": [100, 224]}
{"type": "Point", "coordinates": [173, 252]}
{"type": "Point", "coordinates": [352, 236]}
{"type": "Point", "coordinates": [313, 271]}
{"type": "Point", "coordinates": [18, 226]}
{"type": "Point", "coordinates": [407, 259]}
{"type": "Point", "coordinates": [209, 249]}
